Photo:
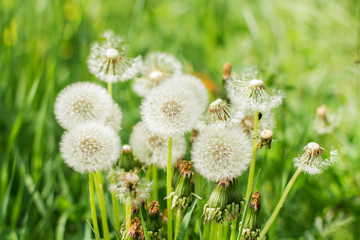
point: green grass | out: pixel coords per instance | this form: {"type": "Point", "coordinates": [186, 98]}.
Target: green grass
{"type": "Point", "coordinates": [307, 47]}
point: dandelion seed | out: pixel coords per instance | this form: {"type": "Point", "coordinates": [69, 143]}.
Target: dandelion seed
{"type": "Point", "coordinates": [152, 149]}
{"type": "Point", "coordinates": [221, 153]}
{"type": "Point", "coordinates": [314, 160]}
{"type": "Point", "coordinates": [170, 111]}
{"type": "Point", "coordinates": [156, 68]}
{"type": "Point", "coordinates": [90, 147]}
{"type": "Point", "coordinates": [83, 101]}
{"type": "Point", "coordinates": [107, 61]}
{"type": "Point", "coordinates": [249, 90]}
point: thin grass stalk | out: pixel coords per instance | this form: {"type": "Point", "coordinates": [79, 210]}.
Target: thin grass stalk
{"type": "Point", "coordinates": [92, 206]}
{"type": "Point", "coordinates": [280, 204]}
{"type": "Point", "coordinates": [253, 161]}
{"type": "Point", "coordinates": [115, 204]}
{"type": "Point", "coordinates": [155, 183]}
{"type": "Point", "coordinates": [100, 192]}
{"type": "Point", "coordinates": [169, 190]}
{"type": "Point", "coordinates": [233, 229]}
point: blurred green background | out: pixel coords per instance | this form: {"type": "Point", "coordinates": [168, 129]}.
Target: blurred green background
{"type": "Point", "coordinates": [309, 48]}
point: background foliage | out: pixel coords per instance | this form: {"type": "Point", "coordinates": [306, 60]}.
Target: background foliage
{"type": "Point", "coordinates": [307, 47]}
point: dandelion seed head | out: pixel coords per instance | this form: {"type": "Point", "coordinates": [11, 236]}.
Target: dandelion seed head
{"type": "Point", "coordinates": [108, 60]}
{"type": "Point", "coordinates": [221, 153]}
{"type": "Point", "coordinates": [157, 67]}
{"type": "Point", "coordinates": [81, 102]}
{"type": "Point", "coordinates": [315, 159]}
{"type": "Point", "coordinates": [114, 117]}
{"type": "Point", "coordinates": [152, 149]}
{"type": "Point", "coordinates": [245, 116]}
{"type": "Point", "coordinates": [90, 147]}
{"type": "Point", "coordinates": [170, 111]}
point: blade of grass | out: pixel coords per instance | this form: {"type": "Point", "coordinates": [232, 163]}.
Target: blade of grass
{"type": "Point", "coordinates": [144, 226]}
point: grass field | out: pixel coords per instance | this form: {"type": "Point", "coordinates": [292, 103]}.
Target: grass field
{"type": "Point", "coordinates": [309, 48]}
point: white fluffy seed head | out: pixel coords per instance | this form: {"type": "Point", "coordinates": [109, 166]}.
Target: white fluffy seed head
{"type": "Point", "coordinates": [114, 117]}
{"type": "Point", "coordinates": [221, 153]}
{"type": "Point", "coordinates": [107, 60]}
{"type": "Point", "coordinates": [90, 147]}
{"type": "Point", "coordinates": [315, 159]}
{"type": "Point", "coordinates": [192, 84]}
{"type": "Point", "coordinates": [170, 110]}
{"type": "Point", "coordinates": [156, 68]}
{"type": "Point", "coordinates": [83, 101]}
{"type": "Point", "coordinates": [152, 149]}
{"type": "Point", "coordinates": [249, 90]}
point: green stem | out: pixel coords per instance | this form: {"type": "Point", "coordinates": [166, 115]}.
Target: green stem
{"type": "Point", "coordinates": [233, 229]}
{"type": "Point", "coordinates": [109, 88]}
{"type": "Point", "coordinates": [178, 222]}
{"type": "Point", "coordinates": [206, 231]}
{"type": "Point", "coordinates": [115, 204]}
{"type": "Point", "coordinates": [253, 161]}
{"type": "Point", "coordinates": [280, 204]}
{"type": "Point", "coordinates": [219, 231]}
{"type": "Point", "coordinates": [100, 192]}
{"type": "Point", "coordinates": [128, 214]}
{"type": "Point", "coordinates": [155, 183]}
{"type": "Point", "coordinates": [169, 190]}
{"type": "Point", "coordinates": [92, 206]}
{"type": "Point", "coordinates": [213, 231]}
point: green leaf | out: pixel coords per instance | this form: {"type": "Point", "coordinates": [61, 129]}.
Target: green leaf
{"type": "Point", "coordinates": [186, 220]}
{"type": "Point", "coordinates": [144, 226]}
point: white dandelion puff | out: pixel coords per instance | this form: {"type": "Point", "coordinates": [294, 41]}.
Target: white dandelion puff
{"type": "Point", "coordinates": [81, 102]}
{"type": "Point", "coordinates": [152, 149]}
{"type": "Point", "coordinates": [170, 111]}
{"type": "Point", "coordinates": [221, 153]}
{"type": "Point", "coordinates": [157, 67]}
{"type": "Point", "coordinates": [192, 84]}
{"type": "Point", "coordinates": [107, 61]}
{"type": "Point", "coordinates": [249, 90]}
{"type": "Point", "coordinates": [90, 147]}
{"type": "Point", "coordinates": [313, 160]}
{"type": "Point", "coordinates": [114, 117]}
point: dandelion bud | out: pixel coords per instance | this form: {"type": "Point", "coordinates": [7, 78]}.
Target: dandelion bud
{"type": "Point", "coordinates": [184, 190]}
{"type": "Point", "coordinates": [315, 159]}
{"type": "Point", "coordinates": [251, 229]}
{"type": "Point", "coordinates": [225, 202]}
{"type": "Point", "coordinates": [136, 229]}
{"type": "Point", "coordinates": [266, 137]}
{"type": "Point", "coordinates": [154, 220]}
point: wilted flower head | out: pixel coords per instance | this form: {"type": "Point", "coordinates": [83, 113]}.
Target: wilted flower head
{"type": "Point", "coordinates": [81, 102]}
{"type": "Point", "coordinates": [90, 147]}
{"type": "Point", "coordinates": [155, 69]}
{"type": "Point", "coordinates": [191, 84]}
{"type": "Point", "coordinates": [248, 89]}
{"type": "Point", "coordinates": [136, 230]}
{"type": "Point", "coordinates": [107, 61]}
{"type": "Point", "coordinates": [152, 149]}
{"type": "Point", "coordinates": [219, 112]}
{"type": "Point", "coordinates": [170, 110]}
{"type": "Point", "coordinates": [325, 122]}
{"type": "Point", "coordinates": [313, 160]}
{"type": "Point", "coordinates": [221, 153]}
{"type": "Point", "coordinates": [129, 185]}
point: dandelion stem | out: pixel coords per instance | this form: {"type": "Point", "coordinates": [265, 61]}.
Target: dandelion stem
{"type": "Point", "coordinates": [128, 213]}
{"type": "Point", "coordinates": [253, 161]}
{"type": "Point", "coordinates": [100, 193]}
{"type": "Point", "coordinates": [213, 231]}
{"type": "Point", "coordinates": [115, 203]}
{"type": "Point", "coordinates": [219, 231]}
{"type": "Point", "coordinates": [155, 183]}
{"type": "Point", "coordinates": [233, 229]}
{"type": "Point", "coordinates": [280, 204]}
{"type": "Point", "coordinates": [93, 207]}
{"type": "Point", "coordinates": [109, 88]}
{"type": "Point", "coordinates": [178, 222]}
{"type": "Point", "coordinates": [169, 190]}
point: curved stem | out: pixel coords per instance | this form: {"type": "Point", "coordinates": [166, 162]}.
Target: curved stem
{"type": "Point", "coordinates": [169, 190]}
{"type": "Point", "coordinates": [102, 206]}
{"type": "Point", "coordinates": [253, 161]}
{"type": "Point", "coordinates": [280, 204]}
{"type": "Point", "coordinates": [93, 207]}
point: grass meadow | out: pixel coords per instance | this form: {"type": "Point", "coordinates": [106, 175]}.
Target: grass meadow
{"type": "Point", "coordinates": [308, 48]}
